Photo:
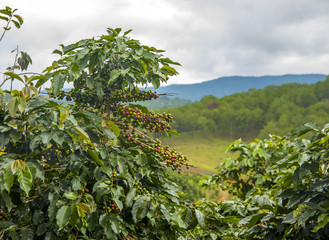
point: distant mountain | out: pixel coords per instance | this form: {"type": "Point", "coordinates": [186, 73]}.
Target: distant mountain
{"type": "Point", "coordinates": [228, 85]}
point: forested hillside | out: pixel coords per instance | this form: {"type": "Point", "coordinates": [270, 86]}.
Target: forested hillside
{"type": "Point", "coordinates": [225, 86]}
{"type": "Point", "coordinates": [256, 113]}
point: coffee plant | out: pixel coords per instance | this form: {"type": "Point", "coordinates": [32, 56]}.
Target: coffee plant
{"type": "Point", "coordinates": [94, 170]}
{"type": "Point", "coordinates": [91, 170]}
{"type": "Point", "coordinates": [283, 184]}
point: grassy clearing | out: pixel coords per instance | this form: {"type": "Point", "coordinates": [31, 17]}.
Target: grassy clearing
{"type": "Point", "coordinates": [205, 154]}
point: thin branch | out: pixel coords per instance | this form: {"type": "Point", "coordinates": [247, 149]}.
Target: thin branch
{"type": "Point", "coordinates": [30, 73]}
{"type": "Point", "coordinates": [25, 73]}
{"type": "Point", "coordinates": [3, 34]}
{"type": "Point", "coordinates": [16, 56]}
{"type": "Point", "coordinates": [4, 82]}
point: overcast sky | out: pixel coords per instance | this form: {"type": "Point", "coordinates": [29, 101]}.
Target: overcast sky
{"type": "Point", "coordinates": [210, 38]}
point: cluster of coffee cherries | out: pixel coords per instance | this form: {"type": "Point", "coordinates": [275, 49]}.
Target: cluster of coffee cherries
{"type": "Point", "coordinates": [61, 95]}
{"type": "Point", "coordinates": [172, 157]}
{"type": "Point", "coordinates": [113, 207]}
{"type": "Point", "coordinates": [134, 137]}
{"type": "Point", "coordinates": [140, 189]}
{"type": "Point", "coordinates": [153, 122]}
{"type": "Point", "coordinates": [87, 97]}
{"type": "Point", "coordinates": [116, 95]}
{"type": "Point", "coordinates": [44, 164]}
{"type": "Point", "coordinates": [6, 215]}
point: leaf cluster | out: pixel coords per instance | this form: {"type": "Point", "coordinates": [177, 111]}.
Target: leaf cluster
{"type": "Point", "coordinates": [7, 15]}
{"type": "Point", "coordinates": [77, 171]}
{"type": "Point", "coordinates": [284, 183]}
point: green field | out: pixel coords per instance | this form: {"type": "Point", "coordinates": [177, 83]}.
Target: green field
{"type": "Point", "coordinates": [204, 154]}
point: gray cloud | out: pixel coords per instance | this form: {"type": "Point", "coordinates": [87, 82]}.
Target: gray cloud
{"type": "Point", "coordinates": [210, 38]}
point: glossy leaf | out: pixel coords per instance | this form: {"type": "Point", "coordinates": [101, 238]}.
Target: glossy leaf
{"type": "Point", "coordinates": [140, 209]}
{"type": "Point", "coordinates": [8, 178]}
{"type": "Point", "coordinates": [25, 180]}
{"type": "Point", "coordinates": [130, 196]}
{"type": "Point", "coordinates": [14, 76]}
{"type": "Point", "coordinates": [63, 216]}
{"type": "Point", "coordinates": [58, 83]}
{"type": "Point", "coordinates": [84, 207]}
{"type": "Point", "coordinates": [70, 195]}
{"type": "Point", "coordinates": [200, 218]}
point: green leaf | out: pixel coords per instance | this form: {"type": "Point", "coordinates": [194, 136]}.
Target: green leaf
{"type": "Point", "coordinates": [99, 91]}
{"type": "Point", "coordinates": [37, 217]}
{"type": "Point", "coordinates": [93, 60]}
{"type": "Point", "coordinates": [83, 62]}
{"type": "Point", "coordinates": [58, 137]}
{"type": "Point", "coordinates": [167, 60]}
{"type": "Point", "coordinates": [322, 221]}
{"type": "Point", "coordinates": [127, 32]}
{"type": "Point", "coordinates": [296, 177]}
{"type": "Point", "coordinates": [7, 200]}
{"type": "Point", "coordinates": [26, 234]}
{"type": "Point", "coordinates": [14, 75]}
{"type": "Point", "coordinates": [6, 224]}
{"type": "Point", "coordinates": [84, 207]}
{"type": "Point", "coordinates": [63, 216]}
{"type": "Point", "coordinates": [13, 106]}
{"type": "Point", "coordinates": [21, 104]}
{"type": "Point", "coordinates": [139, 51]}
{"type": "Point", "coordinates": [299, 131]}
{"type": "Point", "coordinates": [200, 217]}
{"type": "Point", "coordinates": [41, 81]}
{"type": "Point", "coordinates": [140, 107]}
{"type": "Point", "coordinates": [140, 209]}
{"type": "Point", "coordinates": [8, 178]}
{"type": "Point", "coordinates": [306, 216]}
{"type": "Point", "coordinates": [53, 199]}
{"type": "Point", "coordinates": [165, 212]}
{"type": "Point", "coordinates": [58, 83]}
{"type": "Point", "coordinates": [95, 157]}
{"type": "Point", "coordinates": [93, 221]}
{"type": "Point", "coordinates": [84, 135]}
{"type": "Point", "coordinates": [4, 18]}
{"type": "Point", "coordinates": [56, 51]}
{"type": "Point", "coordinates": [115, 128]}
{"type": "Point", "coordinates": [155, 82]}
{"type": "Point", "coordinates": [189, 218]}
{"type": "Point", "coordinates": [74, 215]}
{"type": "Point", "coordinates": [170, 69]}
{"type": "Point", "coordinates": [255, 218]}
{"type": "Point", "coordinates": [105, 222]}
{"type": "Point", "coordinates": [245, 220]}
{"type": "Point", "coordinates": [319, 185]}
{"type": "Point", "coordinates": [70, 195]}
{"type": "Point", "coordinates": [114, 75]}
{"type": "Point", "coordinates": [25, 180]}
{"type": "Point", "coordinates": [17, 25]}
{"type": "Point", "coordinates": [70, 47]}
{"type": "Point", "coordinates": [42, 228]}
{"type": "Point", "coordinates": [19, 18]}
{"type": "Point", "coordinates": [130, 196]}
{"type": "Point", "coordinates": [6, 11]}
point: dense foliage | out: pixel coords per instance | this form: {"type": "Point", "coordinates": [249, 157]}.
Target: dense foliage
{"type": "Point", "coordinates": [283, 181]}
{"type": "Point", "coordinates": [91, 170]}
{"type": "Point", "coordinates": [272, 110]}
